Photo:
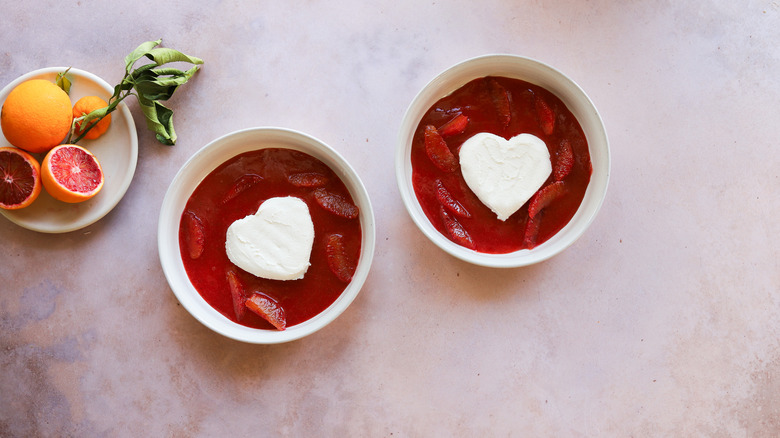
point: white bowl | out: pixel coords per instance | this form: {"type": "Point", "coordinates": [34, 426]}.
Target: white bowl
{"type": "Point", "coordinates": [534, 72]}
{"type": "Point", "coordinates": [197, 168]}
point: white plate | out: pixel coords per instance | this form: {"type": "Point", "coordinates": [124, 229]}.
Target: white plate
{"type": "Point", "coordinates": [203, 163]}
{"type": "Point", "coordinates": [117, 151]}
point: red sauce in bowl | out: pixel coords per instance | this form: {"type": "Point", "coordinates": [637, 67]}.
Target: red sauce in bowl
{"type": "Point", "coordinates": [236, 189]}
{"type": "Point", "coordinates": [505, 107]}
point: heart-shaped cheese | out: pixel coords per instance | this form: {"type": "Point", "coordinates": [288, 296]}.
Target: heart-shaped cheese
{"type": "Point", "coordinates": [504, 174]}
{"type": "Point", "coordinates": [275, 242]}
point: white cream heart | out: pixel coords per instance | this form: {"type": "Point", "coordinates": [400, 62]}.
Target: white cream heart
{"type": "Point", "coordinates": [275, 242]}
{"type": "Point", "coordinates": [504, 174]}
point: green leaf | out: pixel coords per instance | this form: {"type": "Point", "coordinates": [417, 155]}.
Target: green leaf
{"type": "Point", "coordinates": [144, 70]}
{"type": "Point", "coordinates": [163, 55]}
{"type": "Point", "coordinates": [159, 119]}
{"type": "Point", "coordinates": [152, 90]}
{"type": "Point", "coordinates": [168, 71]}
{"type": "Point", "coordinates": [161, 83]}
{"type": "Point", "coordinates": [63, 82]}
{"type": "Point", "coordinates": [165, 116]}
{"type": "Point", "coordinates": [140, 51]}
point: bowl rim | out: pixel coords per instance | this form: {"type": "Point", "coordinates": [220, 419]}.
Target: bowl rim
{"type": "Point", "coordinates": [538, 73]}
{"type": "Point", "coordinates": [197, 167]}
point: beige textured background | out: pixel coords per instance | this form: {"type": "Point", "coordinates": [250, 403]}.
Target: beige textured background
{"type": "Point", "coordinates": [660, 321]}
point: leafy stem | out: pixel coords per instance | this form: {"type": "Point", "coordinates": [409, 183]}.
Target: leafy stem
{"type": "Point", "coordinates": [151, 83]}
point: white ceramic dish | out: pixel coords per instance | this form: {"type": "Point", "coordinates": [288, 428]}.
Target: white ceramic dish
{"type": "Point", "coordinates": [197, 168]}
{"type": "Point", "coordinates": [117, 151]}
{"type": "Point", "coordinates": [534, 72]}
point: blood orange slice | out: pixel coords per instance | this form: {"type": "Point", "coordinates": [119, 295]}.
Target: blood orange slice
{"type": "Point", "coordinates": [20, 178]}
{"type": "Point", "coordinates": [71, 173]}
{"type": "Point", "coordinates": [268, 308]}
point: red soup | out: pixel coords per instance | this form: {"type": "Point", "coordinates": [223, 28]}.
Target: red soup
{"type": "Point", "coordinates": [505, 107]}
{"type": "Point", "coordinates": [235, 190]}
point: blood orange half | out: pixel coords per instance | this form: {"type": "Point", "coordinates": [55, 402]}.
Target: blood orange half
{"type": "Point", "coordinates": [71, 173]}
{"type": "Point", "coordinates": [20, 178]}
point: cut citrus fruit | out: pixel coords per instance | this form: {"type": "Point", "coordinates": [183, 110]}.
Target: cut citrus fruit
{"type": "Point", "coordinates": [86, 105]}
{"type": "Point", "coordinates": [71, 173]}
{"type": "Point", "coordinates": [36, 115]}
{"type": "Point", "coordinates": [268, 308]}
{"type": "Point", "coordinates": [20, 178]}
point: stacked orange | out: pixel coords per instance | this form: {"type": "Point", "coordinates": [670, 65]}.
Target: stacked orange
{"type": "Point", "coordinates": [86, 105]}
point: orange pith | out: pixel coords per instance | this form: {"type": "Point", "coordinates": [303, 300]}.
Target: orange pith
{"type": "Point", "coordinates": [36, 115]}
{"type": "Point", "coordinates": [71, 174]}
{"type": "Point", "coordinates": [86, 105]}
{"type": "Point", "coordinates": [20, 178]}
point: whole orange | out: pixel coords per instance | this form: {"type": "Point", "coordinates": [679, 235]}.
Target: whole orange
{"type": "Point", "coordinates": [36, 115]}
{"type": "Point", "coordinates": [86, 105]}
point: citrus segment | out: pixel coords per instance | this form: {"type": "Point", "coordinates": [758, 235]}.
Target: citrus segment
{"type": "Point", "coordinates": [36, 115]}
{"type": "Point", "coordinates": [20, 178]}
{"type": "Point", "coordinates": [71, 173]}
{"type": "Point", "coordinates": [86, 105]}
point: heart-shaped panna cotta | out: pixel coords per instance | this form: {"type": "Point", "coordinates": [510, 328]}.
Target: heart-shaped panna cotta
{"type": "Point", "coordinates": [275, 242]}
{"type": "Point", "coordinates": [504, 174]}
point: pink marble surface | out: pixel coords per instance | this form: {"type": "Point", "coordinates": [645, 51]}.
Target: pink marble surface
{"type": "Point", "coordinates": [660, 321]}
